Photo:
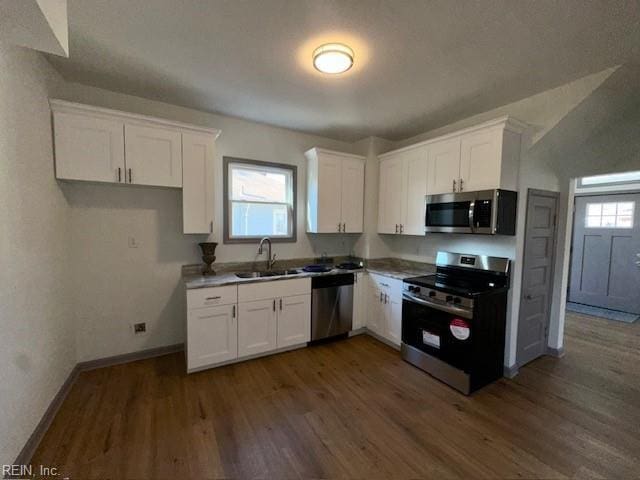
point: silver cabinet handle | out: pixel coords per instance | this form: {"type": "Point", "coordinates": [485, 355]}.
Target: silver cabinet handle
{"type": "Point", "coordinates": [461, 184]}
{"type": "Point", "coordinates": [344, 227]}
{"type": "Point", "coordinates": [119, 174]}
{"type": "Point", "coordinates": [274, 304]}
{"type": "Point", "coordinates": [401, 228]}
{"type": "Point", "coordinates": [396, 228]}
{"type": "Point", "coordinates": [130, 177]}
{"type": "Point", "coordinates": [381, 296]}
{"type": "Point", "coordinates": [384, 284]}
{"type": "Point", "coordinates": [528, 297]}
{"type": "Point", "coordinates": [386, 298]}
{"type": "Point", "coordinates": [454, 184]}
{"type": "Point", "coordinates": [211, 226]}
{"type": "Point", "coordinates": [280, 304]}
{"type": "Point", "coordinates": [214, 298]}
{"type": "Point", "coordinates": [339, 227]}
{"type": "Point", "coordinates": [233, 312]}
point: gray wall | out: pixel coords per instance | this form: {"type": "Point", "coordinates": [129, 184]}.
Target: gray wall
{"type": "Point", "coordinates": [36, 316]}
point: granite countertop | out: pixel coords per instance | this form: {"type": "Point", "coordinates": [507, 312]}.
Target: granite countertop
{"type": "Point", "coordinates": [388, 267]}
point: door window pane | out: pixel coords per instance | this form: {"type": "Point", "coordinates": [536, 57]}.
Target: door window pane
{"type": "Point", "coordinates": [610, 215]}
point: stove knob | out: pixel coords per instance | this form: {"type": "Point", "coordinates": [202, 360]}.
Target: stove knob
{"type": "Point", "coordinates": [411, 288]}
{"type": "Point", "coordinates": [449, 298]}
{"type": "Point", "coordinates": [416, 289]}
{"type": "Point", "coordinates": [432, 294]}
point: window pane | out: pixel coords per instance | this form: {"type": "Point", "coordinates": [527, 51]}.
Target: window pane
{"type": "Point", "coordinates": [259, 184]}
{"type": "Point", "coordinates": [609, 221]}
{"type": "Point", "coordinates": [625, 208]}
{"type": "Point", "coordinates": [612, 178]}
{"type": "Point", "coordinates": [594, 209]}
{"type": "Point", "coordinates": [259, 220]}
{"type": "Point", "coordinates": [593, 222]}
{"type": "Point", "coordinates": [608, 209]}
{"type": "Point", "coordinates": [625, 222]}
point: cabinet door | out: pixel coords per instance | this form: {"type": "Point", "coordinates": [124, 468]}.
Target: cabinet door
{"type": "Point", "coordinates": [212, 336]}
{"type": "Point", "coordinates": [257, 327]}
{"type": "Point", "coordinates": [329, 193]}
{"type": "Point", "coordinates": [416, 170]}
{"type": "Point", "coordinates": [197, 182]}
{"type": "Point", "coordinates": [391, 193]}
{"type": "Point", "coordinates": [360, 300]}
{"type": "Point", "coordinates": [393, 312]}
{"type": "Point", "coordinates": [153, 156]}
{"type": "Point", "coordinates": [353, 195]}
{"type": "Point", "coordinates": [88, 148]}
{"type": "Point", "coordinates": [294, 320]}
{"type": "Point", "coordinates": [481, 160]}
{"type": "Point", "coordinates": [444, 166]}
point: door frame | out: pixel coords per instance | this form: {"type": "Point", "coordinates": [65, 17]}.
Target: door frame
{"type": "Point", "coordinates": [556, 195]}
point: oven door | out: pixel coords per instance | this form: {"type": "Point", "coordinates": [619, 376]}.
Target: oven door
{"type": "Point", "coordinates": [450, 213]}
{"type": "Point", "coordinates": [446, 335]}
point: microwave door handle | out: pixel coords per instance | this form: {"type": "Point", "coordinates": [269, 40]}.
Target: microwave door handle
{"type": "Point", "coordinates": [472, 209]}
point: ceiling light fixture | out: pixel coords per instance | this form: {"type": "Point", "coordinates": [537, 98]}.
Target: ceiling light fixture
{"type": "Point", "coordinates": [333, 58]}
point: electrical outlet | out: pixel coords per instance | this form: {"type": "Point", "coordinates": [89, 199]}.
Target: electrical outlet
{"type": "Point", "coordinates": [139, 328]}
{"type": "Point", "coordinates": [133, 243]}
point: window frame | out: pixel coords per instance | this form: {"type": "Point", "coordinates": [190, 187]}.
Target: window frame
{"type": "Point", "coordinates": [227, 238]}
{"type": "Point", "coordinates": [620, 183]}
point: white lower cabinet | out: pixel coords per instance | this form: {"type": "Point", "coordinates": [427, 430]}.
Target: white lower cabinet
{"type": "Point", "coordinates": [294, 320]}
{"type": "Point", "coordinates": [360, 300]}
{"type": "Point", "coordinates": [257, 327]}
{"type": "Point", "coordinates": [384, 313]}
{"type": "Point", "coordinates": [212, 326]}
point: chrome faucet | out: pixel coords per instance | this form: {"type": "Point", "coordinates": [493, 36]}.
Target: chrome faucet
{"type": "Point", "coordinates": [270, 259]}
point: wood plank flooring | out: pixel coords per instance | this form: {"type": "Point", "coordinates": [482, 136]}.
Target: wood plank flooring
{"type": "Point", "coordinates": [354, 409]}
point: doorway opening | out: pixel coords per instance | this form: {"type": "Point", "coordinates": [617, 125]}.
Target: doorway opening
{"type": "Point", "coordinates": [604, 275]}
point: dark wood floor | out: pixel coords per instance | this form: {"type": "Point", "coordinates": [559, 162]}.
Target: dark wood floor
{"type": "Point", "coordinates": [354, 409]}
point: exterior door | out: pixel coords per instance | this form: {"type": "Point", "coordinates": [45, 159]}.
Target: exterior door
{"type": "Point", "coordinates": [537, 275]}
{"type": "Point", "coordinates": [352, 195]}
{"type": "Point", "coordinates": [257, 327]}
{"type": "Point", "coordinates": [153, 156]}
{"type": "Point", "coordinates": [480, 160]}
{"type": "Point", "coordinates": [212, 336]}
{"type": "Point", "coordinates": [88, 148]}
{"type": "Point", "coordinates": [416, 170]}
{"type": "Point", "coordinates": [605, 262]}
{"type": "Point", "coordinates": [444, 166]}
{"type": "Point", "coordinates": [391, 193]}
{"type": "Point", "coordinates": [294, 320]}
{"type": "Point", "coordinates": [329, 193]}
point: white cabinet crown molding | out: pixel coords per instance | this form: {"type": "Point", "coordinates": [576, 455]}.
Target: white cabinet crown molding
{"type": "Point", "coordinates": [131, 118]}
{"type": "Point", "coordinates": [314, 150]}
{"type": "Point", "coordinates": [506, 122]}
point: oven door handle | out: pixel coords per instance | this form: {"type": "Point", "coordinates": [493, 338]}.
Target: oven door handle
{"type": "Point", "coordinates": [463, 312]}
{"type": "Point", "coordinates": [472, 209]}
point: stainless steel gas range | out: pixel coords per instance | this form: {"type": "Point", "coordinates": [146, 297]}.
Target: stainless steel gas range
{"type": "Point", "coordinates": [453, 322]}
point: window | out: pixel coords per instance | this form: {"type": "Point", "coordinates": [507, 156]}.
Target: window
{"type": "Point", "coordinates": [611, 179]}
{"type": "Point", "coordinates": [259, 201]}
{"type": "Point", "coordinates": [610, 215]}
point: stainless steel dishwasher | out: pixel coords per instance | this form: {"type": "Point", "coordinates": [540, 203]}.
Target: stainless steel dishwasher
{"type": "Point", "coordinates": [331, 305]}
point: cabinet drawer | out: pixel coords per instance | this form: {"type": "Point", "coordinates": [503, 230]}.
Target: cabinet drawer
{"type": "Point", "coordinates": [273, 289]}
{"type": "Point", "coordinates": [209, 297]}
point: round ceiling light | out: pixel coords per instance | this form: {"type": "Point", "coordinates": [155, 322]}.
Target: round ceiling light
{"type": "Point", "coordinates": [333, 58]}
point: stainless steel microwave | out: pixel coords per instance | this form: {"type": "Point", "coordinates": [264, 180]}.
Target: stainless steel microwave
{"type": "Point", "coordinates": [489, 212]}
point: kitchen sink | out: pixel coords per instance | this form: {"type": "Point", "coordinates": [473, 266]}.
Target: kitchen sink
{"type": "Point", "coordinates": [272, 273]}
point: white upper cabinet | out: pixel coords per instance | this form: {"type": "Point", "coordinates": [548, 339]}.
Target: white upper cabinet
{"type": "Point", "coordinates": [88, 148]}
{"type": "Point", "coordinates": [403, 186]}
{"type": "Point", "coordinates": [391, 194]}
{"type": "Point", "coordinates": [153, 155]}
{"type": "Point", "coordinates": [483, 157]}
{"type": "Point", "coordinates": [444, 160]}
{"type": "Point", "coordinates": [198, 200]}
{"type": "Point", "coordinates": [352, 205]}
{"type": "Point", "coordinates": [335, 192]}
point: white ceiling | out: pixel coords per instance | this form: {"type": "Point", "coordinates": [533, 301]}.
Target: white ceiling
{"type": "Point", "coordinates": [419, 64]}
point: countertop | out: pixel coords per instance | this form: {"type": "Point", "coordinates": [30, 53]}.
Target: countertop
{"type": "Point", "coordinates": [388, 267]}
